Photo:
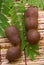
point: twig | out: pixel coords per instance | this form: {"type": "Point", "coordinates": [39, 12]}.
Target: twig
{"type": "Point", "coordinates": [25, 57]}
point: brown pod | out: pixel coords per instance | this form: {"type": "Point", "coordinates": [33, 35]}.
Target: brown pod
{"type": "Point", "coordinates": [33, 36]}
{"type": "Point", "coordinates": [13, 35]}
{"type": "Point", "coordinates": [0, 55]}
{"type": "Point", "coordinates": [13, 54]}
{"type": "Point", "coordinates": [32, 11]}
{"type": "Point", "coordinates": [31, 23]}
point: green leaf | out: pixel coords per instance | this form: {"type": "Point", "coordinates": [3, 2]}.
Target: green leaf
{"type": "Point", "coordinates": [4, 20]}
{"type": "Point", "coordinates": [5, 10]}
{"type": "Point", "coordinates": [22, 30]}
{"type": "Point", "coordinates": [23, 41]}
{"type": "Point", "coordinates": [1, 4]}
{"type": "Point", "coordinates": [27, 51]}
{"type": "Point", "coordinates": [23, 2]}
{"type": "Point", "coordinates": [21, 7]}
{"type": "Point", "coordinates": [9, 3]}
{"type": "Point", "coordinates": [34, 46]}
{"type": "Point", "coordinates": [30, 52]}
{"type": "Point", "coordinates": [12, 11]}
{"type": "Point", "coordinates": [2, 26]}
{"type": "Point", "coordinates": [37, 53]}
{"type": "Point", "coordinates": [38, 3]}
{"type": "Point", "coordinates": [2, 33]}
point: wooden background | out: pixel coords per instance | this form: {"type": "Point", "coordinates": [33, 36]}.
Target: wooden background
{"type": "Point", "coordinates": [4, 43]}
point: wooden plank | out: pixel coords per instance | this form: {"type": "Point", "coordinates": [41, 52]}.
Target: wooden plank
{"type": "Point", "coordinates": [41, 26]}
{"type": "Point", "coordinates": [8, 45]}
{"type": "Point", "coordinates": [41, 21]}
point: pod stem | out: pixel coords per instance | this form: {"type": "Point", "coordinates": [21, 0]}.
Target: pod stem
{"type": "Point", "coordinates": [25, 57]}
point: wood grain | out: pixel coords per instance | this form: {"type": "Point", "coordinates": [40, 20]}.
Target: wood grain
{"type": "Point", "coordinates": [5, 44]}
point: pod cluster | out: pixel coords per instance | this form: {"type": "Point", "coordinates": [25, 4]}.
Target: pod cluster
{"type": "Point", "coordinates": [33, 36]}
{"type": "Point", "coordinates": [14, 52]}
{"type": "Point", "coordinates": [31, 22]}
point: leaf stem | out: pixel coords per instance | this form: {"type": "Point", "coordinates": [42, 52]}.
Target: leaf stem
{"type": "Point", "coordinates": [25, 57]}
{"type": "Point", "coordinates": [26, 46]}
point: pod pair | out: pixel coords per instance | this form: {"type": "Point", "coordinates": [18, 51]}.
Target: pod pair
{"type": "Point", "coordinates": [31, 22]}
{"type": "Point", "coordinates": [14, 52]}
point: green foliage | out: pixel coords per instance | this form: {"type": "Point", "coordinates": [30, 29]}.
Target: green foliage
{"type": "Point", "coordinates": [5, 10]}
{"type": "Point", "coordinates": [4, 19]}
{"type": "Point", "coordinates": [2, 32]}
{"type": "Point", "coordinates": [31, 50]}
{"type": "Point", "coordinates": [38, 3]}
{"type": "Point", "coordinates": [3, 24]}
{"type": "Point", "coordinates": [6, 6]}
{"type": "Point", "coordinates": [1, 4]}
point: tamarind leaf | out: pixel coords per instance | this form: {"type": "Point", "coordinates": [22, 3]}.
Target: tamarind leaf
{"type": "Point", "coordinates": [24, 1]}
{"type": "Point", "coordinates": [2, 33]}
{"type": "Point", "coordinates": [23, 41]}
{"type": "Point", "coordinates": [37, 52]}
{"type": "Point", "coordinates": [38, 3]}
{"type": "Point", "coordinates": [7, 6]}
{"type": "Point", "coordinates": [34, 46]}
{"type": "Point", "coordinates": [4, 20]}
{"type": "Point", "coordinates": [12, 11]}
{"type": "Point", "coordinates": [9, 3]}
{"type": "Point", "coordinates": [2, 26]}
{"type": "Point", "coordinates": [21, 8]}
{"type": "Point", "coordinates": [29, 52]}
{"type": "Point", "coordinates": [5, 10]}
{"type": "Point", "coordinates": [22, 31]}
{"type": "Point", "coordinates": [1, 4]}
